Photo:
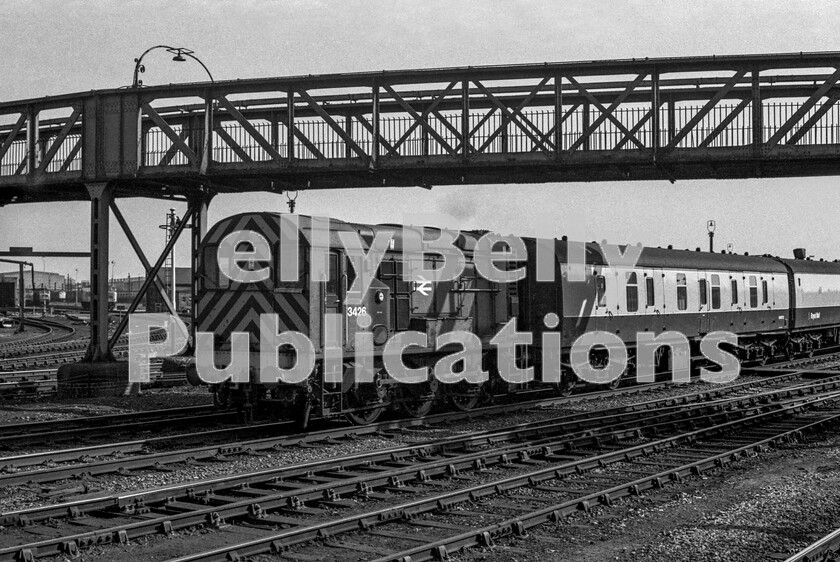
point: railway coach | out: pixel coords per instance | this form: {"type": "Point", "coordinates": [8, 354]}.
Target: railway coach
{"type": "Point", "coordinates": [776, 307]}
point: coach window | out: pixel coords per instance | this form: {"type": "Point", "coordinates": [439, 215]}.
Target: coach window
{"type": "Point", "coordinates": [764, 291]}
{"type": "Point", "coordinates": [632, 292]}
{"type": "Point", "coordinates": [753, 292]}
{"type": "Point", "coordinates": [649, 292]}
{"type": "Point", "coordinates": [682, 292]}
{"type": "Point", "coordinates": [734, 291]}
{"type": "Point", "coordinates": [715, 292]}
{"type": "Point", "coordinates": [704, 298]}
{"type": "Point", "coordinates": [601, 290]}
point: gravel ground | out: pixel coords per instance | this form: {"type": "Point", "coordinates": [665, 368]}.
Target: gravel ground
{"type": "Point", "coordinates": [52, 408]}
{"type": "Point", "coordinates": [763, 508]}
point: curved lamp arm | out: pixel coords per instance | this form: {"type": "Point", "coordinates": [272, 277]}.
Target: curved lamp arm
{"type": "Point", "coordinates": [177, 51]}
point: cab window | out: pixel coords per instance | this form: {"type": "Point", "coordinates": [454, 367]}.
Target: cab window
{"type": "Point", "coordinates": [682, 292]}
{"type": "Point", "coordinates": [632, 292]}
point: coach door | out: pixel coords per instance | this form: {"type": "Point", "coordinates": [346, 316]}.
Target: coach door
{"type": "Point", "coordinates": [704, 301]}
{"type": "Point", "coordinates": [333, 291]}
{"type": "Point", "coordinates": [659, 307]}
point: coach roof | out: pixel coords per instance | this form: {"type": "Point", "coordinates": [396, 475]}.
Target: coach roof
{"type": "Point", "coordinates": [687, 259]}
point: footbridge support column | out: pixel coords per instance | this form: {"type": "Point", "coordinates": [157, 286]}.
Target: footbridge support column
{"type": "Point", "coordinates": [99, 349]}
{"type": "Point", "coordinates": [98, 374]}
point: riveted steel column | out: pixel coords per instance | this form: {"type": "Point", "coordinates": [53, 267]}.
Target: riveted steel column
{"type": "Point", "coordinates": [348, 128]}
{"type": "Point", "coordinates": [672, 120]}
{"type": "Point", "coordinates": [585, 126]}
{"type": "Point", "coordinates": [290, 125]}
{"type": "Point", "coordinates": [374, 149]}
{"type": "Point", "coordinates": [33, 148]}
{"type": "Point", "coordinates": [207, 145]}
{"type": "Point", "coordinates": [465, 118]}
{"type": "Point", "coordinates": [199, 229]}
{"type": "Point", "coordinates": [654, 108]}
{"type": "Point", "coordinates": [757, 114]}
{"type": "Point", "coordinates": [558, 114]}
{"type": "Point", "coordinates": [100, 196]}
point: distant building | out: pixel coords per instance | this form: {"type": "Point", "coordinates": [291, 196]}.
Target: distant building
{"type": "Point", "coordinates": [48, 287]}
{"type": "Point", "coordinates": [128, 287]}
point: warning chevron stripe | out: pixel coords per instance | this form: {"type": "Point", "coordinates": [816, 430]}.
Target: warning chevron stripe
{"type": "Point", "coordinates": [224, 311]}
{"type": "Point", "coordinates": [238, 311]}
{"type": "Point", "coordinates": [266, 224]}
{"type": "Point", "coordinates": [248, 312]}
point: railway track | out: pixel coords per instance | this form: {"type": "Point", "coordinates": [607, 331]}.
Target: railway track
{"type": "Point", "coordinates": [44, 382]}
{"type": "Point", "coordinates": [826, 549]}
{"type": "Point", "coordinates": [54, 332]}
{"type": "Point", "coordinates": [55, 353]}
{"type": "Point", "coordinates": [158, 452]}
{"type": "Point", "coordinates": [555, 467]}
{"type": "Point", "coordinates": [79, 429]}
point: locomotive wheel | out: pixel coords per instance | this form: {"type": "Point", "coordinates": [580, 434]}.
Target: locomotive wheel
{"type": "Point", "coordinates": [464, 403]}
{"type": "Point", "coordinates": [221, 398]}
{"type": "Point", "coordinates": [567, 385]}
{"type": "Point", "coordinates": [468, 398]}
{"type": "Point", "coordinates": [370, 397]}
{"type": "Point", "coordinates": [364, 417]}
{"type": "Point", "coordinates": [417, 408]}
{"type": "Point", "coordinates": [417, 400]}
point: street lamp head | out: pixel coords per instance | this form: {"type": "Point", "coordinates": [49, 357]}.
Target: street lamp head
{"type": "Point", "coordinates": [710, 225]}
{"type": "Point", "coordinates": [179, 53]}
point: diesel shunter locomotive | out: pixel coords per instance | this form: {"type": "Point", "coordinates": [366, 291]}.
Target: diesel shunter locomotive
{"type": "Point", "coordinates": [776, 307]}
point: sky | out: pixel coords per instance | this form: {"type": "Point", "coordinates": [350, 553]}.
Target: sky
{"type": "Point", "coordinates": [55, 47]}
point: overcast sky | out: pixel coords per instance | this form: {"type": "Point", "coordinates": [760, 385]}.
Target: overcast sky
{"type": "Point", "coordinates": [55, 47]}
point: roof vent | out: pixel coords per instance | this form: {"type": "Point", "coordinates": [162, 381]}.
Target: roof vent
{"type": "Point", "coordinates": [799, 253]}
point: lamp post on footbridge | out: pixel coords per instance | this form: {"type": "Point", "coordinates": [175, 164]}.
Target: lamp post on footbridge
{"type": "Point", "coordinates": [179, 52]}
